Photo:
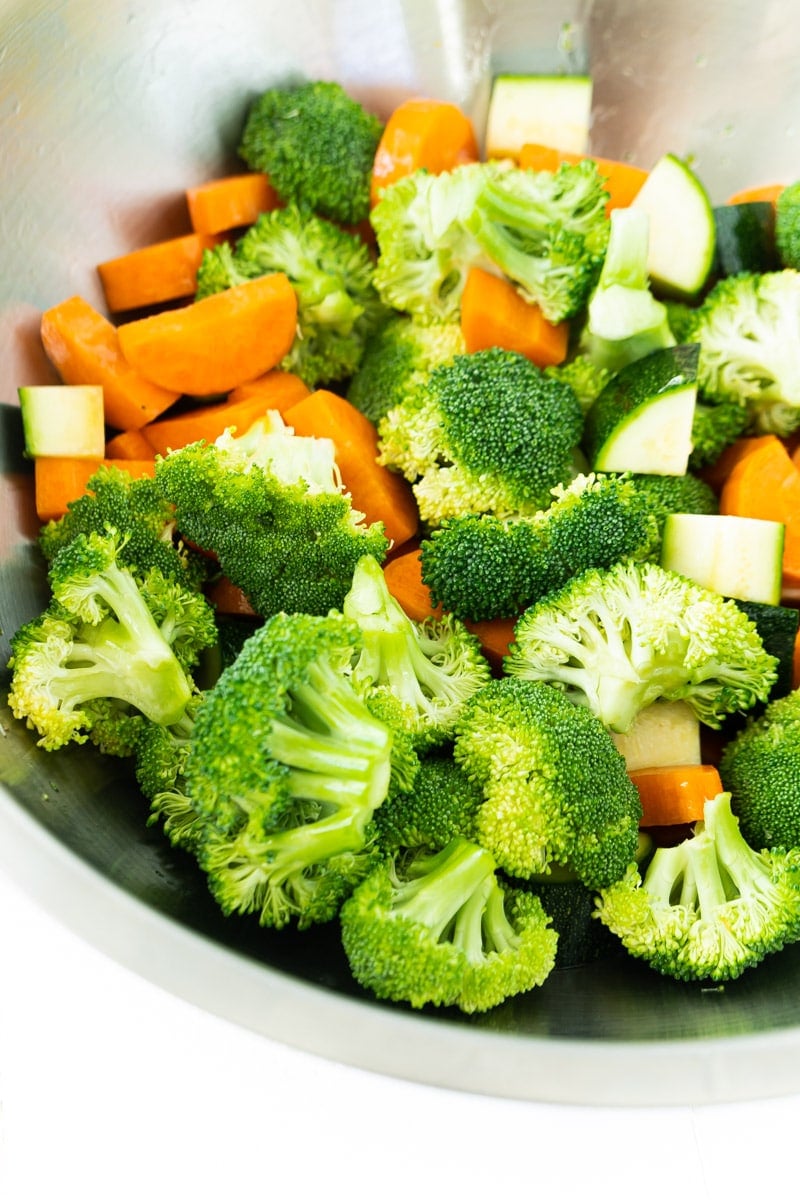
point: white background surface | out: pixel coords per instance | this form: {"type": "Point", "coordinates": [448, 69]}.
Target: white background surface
{"type": "Point", "coordinates": [111, 1088]}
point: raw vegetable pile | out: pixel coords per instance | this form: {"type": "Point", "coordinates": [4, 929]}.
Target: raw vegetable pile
{"type": "Point", "coordinates": [424, 527]}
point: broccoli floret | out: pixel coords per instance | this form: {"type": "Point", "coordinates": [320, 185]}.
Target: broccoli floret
{"type": "Point", "coordinates": [555, 785]}
{"type": "Point", "coordinates": [441, 929]}
{"type": "Point", "coordinates": [570, 905]}
{"type": "Point", "coordinates": [665, 494]}
{"type": "Point", "coordinates": [442, 803]}
{"type": "Point", "coordinates": [716, 423]}
{"type": "Point", "coordinates": [747, 330]}
{"type": "Point", "coordinates": [585, 377]}
{"type": "Point", "coordinates": [425, 671]}
{"type": "Point", "coordinates": [490, 432]}
{"type": "Point", "coordinates": [397, 359]}
{"type": "Point", "coordinates": [787, 225]}
{"type": "Point", "coordinates": [624, 321]}
{"type": "Point", "coordinates": [160, 753]}
{"type": "Point", "coordinates": [317, 144]}
{"type": "Point", "coordinates": [618, 639]}
{"type": "Point", "coordinates": [331, 272]}
{"type": "Point", "coordinates": [546, 230]}
{"type": "Point", "coordinates": [709, 907]}
{"type": "Point", "coordinates": [105, 637]}
{"type": "Point", "coordinates": [681, 317]}
{"type": "Point", "coordinates": [286, 766]}
{"type": "Point", "coordinates": [270, 507]}
{"type": "Point", "coordinates": [760, 767]}
{"type": "Point", "coordinates": [480, 567]}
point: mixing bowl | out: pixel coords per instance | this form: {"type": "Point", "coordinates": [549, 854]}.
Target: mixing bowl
{"type": "Point", "coordinates": [107, 113]}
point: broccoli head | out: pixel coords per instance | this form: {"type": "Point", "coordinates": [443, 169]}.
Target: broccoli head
{"type": "Point", "coordinates": [490, 432]}
{"type": "Point", "coordinates": [442, 803]}
{"type": "Point", "coordinates": [586, 378]}
{"type": "Point", "coordinates": [665, 494]}
{"type": "Point", "coordinates": [760, 767]}
{"type": "Point", "coordinates": [317, 144]}
{"type": "Point", "coordinates": [556, 789]}
{"type": "Point", "coordinates": [331, 272]}
{"type": "Point", "coordinates": [618, 639]}
{"type": "Point", "coordinates": [717, 422]}
{"type": "Point", "coordinates": [709, 907]}
{"type": "Point", "coordinates": [441, 929]}
{"type": "Point", "coordinates": [787, 225]}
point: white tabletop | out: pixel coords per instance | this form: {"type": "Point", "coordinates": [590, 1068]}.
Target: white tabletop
{"type": "Point", "coordinates": [112, 1088]}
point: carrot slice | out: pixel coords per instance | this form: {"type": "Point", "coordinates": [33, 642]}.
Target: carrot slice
{"type": "Point", "coordinates": [717, 472]}
{"type": "Point", "coordinates": [377, 492]}
{"type": "Point", "coordinates": [229, 599]}
{"type": "Point", "coordinates": [493, 313]}
{"type": "Point", "coordinates": [796, 662]}
{"type": "Point", "coordinates": [675, 795]}
{"type": "Point", "coordinates": [234, 200]}
{"type": "Point", "coordinates": [422, 133]}
{"type": "Point", "coordinates": [751, 195]}
{"type": "Point", "coordinates": [495, 637]}
{"type": "Point", "coordinates": [765, 484]}
{"type": "Point", "coordinates": [153, 274]}
{"type": "Point", "coordinates": [218, 342]}
{"type": "Point", "coordinates": [83, 346]}
{"type": "Point", "coordinates": [57, 481]}
{"type": "Point", "coordinates": [131, 444]}
{"type": "Point", "coordinates": [244, 405]}
{"type": "Point", "coordinates": [622, 180]}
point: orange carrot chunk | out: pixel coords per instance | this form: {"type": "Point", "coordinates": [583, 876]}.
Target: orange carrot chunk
{"type": "Point", "coordinates": [218, 342]}
{"type": "Point", "coordinates": [493, 313]}
{"type": "Point", "coordinates": [403, 575]}
{"type": "Point", "coordinates": [422, 133]}
{"type": "Point", "coordinates": [153, 274]}
{"type": "Point", "coordinates": [234, 200]}
{"type": "Point", "coordinates": [58, 481]}
{"type": "Point", "coordinates": [377, 492]}
{"type": "Point", "coordinates": [768, 192]}
{"type": "Point", "coordinates": [229, 599]}
{"type": "Point", "coordinates": [131, 444]}
{"type": "Point", "coordinates": [675, 795]}
{"type": "Point", "coordinates": [495, 637]}
{"type": "Point", "coordinates": [83, 346]}
{"type": "Point", "coordinates": [717, 472]}
{"type": "Point", "coordinates": [766, 484]}
{"type": "Point", "coordinates": [622, 180]}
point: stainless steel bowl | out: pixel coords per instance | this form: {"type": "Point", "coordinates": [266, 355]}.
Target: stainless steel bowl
{"type": "Point", "coordinates": [107, 113]}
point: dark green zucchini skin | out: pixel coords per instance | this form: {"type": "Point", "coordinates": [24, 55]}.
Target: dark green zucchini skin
{"type": "Point", "coordinates": [745, 238]}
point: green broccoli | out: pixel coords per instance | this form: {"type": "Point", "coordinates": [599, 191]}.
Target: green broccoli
{"type": "Point", "coordinates": [424, 671]}
{"type": "Point", "coordinates": [624, 321]}
{"type": "Point", "coordinates": [617, 639]}
{"type": "Point", "coordinates": [317, 145]}
{"type": "Point", "coordinates": [709, 907]}
{"type": "Point", "coordinates": [105, 637]}
{"type": "Point", "coordinates": [717, 423]}
{"type": "Point", "coordinates": [481, 566]}
{"type": "Point", "coordinates": [442, 803]}
{"type": "Point", "coordinates": [760, 767]}
{"type": "Point", "coordinates": [584, 376]}
{"type": "Point", "coordinates": [665, 494]}
{"type": "Point", "coordinates": [787, 225]}
{"type": "Point", "coordinates": [331, 272]}
{"type": "Point", "coordinates": [441, 929]}
{"type": "Point", "coordinates": [160, 756]}
{"type": "Point", "coordinates": [286, 766]}
{"type": "Point", "coordinates": [747, 330]}
{"type": "Point", "coordinates": [490, 432]}
{"type": "Point", "coordinates": [270, 507]}
{"type": "Point", "coordinates": [398, 357]}
{"type": "Point", "coordinates": [556, 789]}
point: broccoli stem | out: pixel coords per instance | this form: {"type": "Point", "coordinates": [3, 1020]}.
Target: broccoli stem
{"type": "Point", "coordinates": [441, 894]}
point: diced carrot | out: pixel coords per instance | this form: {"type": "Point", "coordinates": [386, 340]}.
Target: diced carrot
{"type": "Point", "coordinates": [218, 342]}
{"type": "Point", "coordinates": [377, 492]}
{"type": "Point", "coordinates": [796, 662]}
{"type": "Point", "coordinates": [131, 444]}
{"type": "Point", "coordinates": [766, 484]}
{"type": "Point", "coordinates": [495, 637]}
{"type": "Point", "coordinates": [276, 389]}
{"type": "Point", "coordinates": [83, 346]}
{"type": "Point", "coordinates": [422, 133]}
{"type": "Point", "coordinates": [675, 795]}
{"type": "Point", "coordinates": [403, 574]}
{"type": "Point", "coordinates": [493, 313]}
{"type": "Point", "coordinates": [153, 274]}
{"type": "Point", "coordinates": [717, 472]}
{"type": "Point", "coordinates": [227, 203]}
{"type": "Point", "coordinates": [57, 481]}
{"type": "Point", "coordinates": [229, 599]}
{"type": "Point", "coordinates": [752, 195]}
{"type": "Point", "coordinates": [622, 180]}
{"type": "Point", "coordinates": [534, 156]}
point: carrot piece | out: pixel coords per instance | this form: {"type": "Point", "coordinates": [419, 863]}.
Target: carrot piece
{"type": "Point", "coordinates": [130, 444]}
{"type": "Point", "coordinates": [57, 481]}
{"type": "Point", "coordinates": [218, 342]}
{"type": "Point", "coordinates": [422, 133]}
{"type": "Point", "coordinates": [495, 637]}
{"type": "Point", "coordinates": [750, 195]}
{"type": "Point", "coordinates": [622, 180]}
{"type": "Point", "coordinates": [234, 200]}
{"type": "Point", "coordinates": [717, 472]}
{"type": "Point", "coordinates": [534, 156]}
{"type": "Point", "coordinates": [796, 662]}
{"type": "Point", "coordinates": [229, 599]}
{"type": "Point", "coordinates": [377, 492]}
{"type": "Point", "coordinates": [493, 313]}
{"type": "Point", "coordinates": [675, 795]}
{"type": "Point", "coordinates": [403, 575]}
{"type": "Point", "coordinates": [244, 405]}
{"type": "Point", "coordinates": [765, 483]}
{"type": "Point", "coordinates": [153, 274]}
{"type": "Point", "coordinates": [83, 346]}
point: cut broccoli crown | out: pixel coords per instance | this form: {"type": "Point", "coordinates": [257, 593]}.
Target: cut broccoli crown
{"type": "Point", "coordinates": [442, 803]}
{"type": "Point", "coordinates": [332, 274]}
{"type": "Point", "coordinates": [787, 225]}
{"type": "Point", "coordinates": [285, 768]}
{"type": "Point", "coordinates": [480, 567]}
{"type": "Point", "coordinates": [760, 767]}
{"type": "Point", "coordinates": [289, 545]}
{"type": "Point", "coordinates": [709, 907]}
{"type": "Point", "coordinates": [489, 433]}
{"type": "Point", "coordinates": [441, 929]}
{"type": "Point", "coordinates": [424, 671]}
{"type": "Point", "coordinates": [584, 376]}
{"type": "Point", "coordinates": [397, 360]}
{"type": "Point", "coordinates": [716, 423]}
{"type": "Point", "coordinates": [747, 330]}
{"type": "Point", "coordinates": [556, 788]}
{"type": "Point", "coordinates": [665, 494]}
{"type": "Point", "coordinates": [317, 144]}
{"type": "Point", "coordinates": [618, 639]}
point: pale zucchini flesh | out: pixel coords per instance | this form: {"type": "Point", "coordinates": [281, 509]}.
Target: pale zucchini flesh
{"type": "Point", "coordinates": [741, 557]}
{"type": "Point", "coordinates": [63, 420]}
{"type": "Point", "coordinates": [553, 110]}
{"type": "Point", "coordinates": [655, 438]}
{"type": "Point", "coordinates": [664, 734]}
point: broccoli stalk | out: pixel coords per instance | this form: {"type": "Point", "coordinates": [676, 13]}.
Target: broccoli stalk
{"type": "Point", "coordinates": [709, 907]}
